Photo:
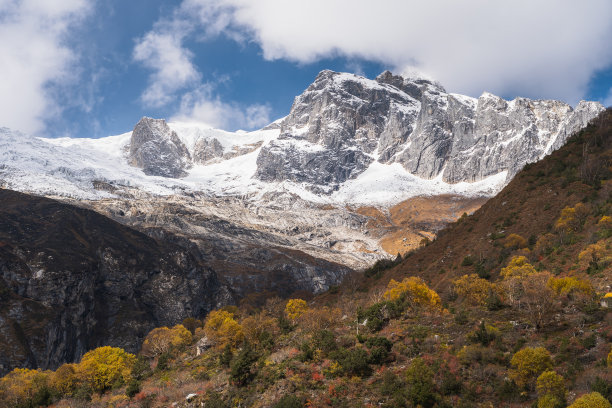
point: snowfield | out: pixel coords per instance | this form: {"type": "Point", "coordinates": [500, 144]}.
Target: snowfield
{"type": "Point", "coordinates": [69, 167]}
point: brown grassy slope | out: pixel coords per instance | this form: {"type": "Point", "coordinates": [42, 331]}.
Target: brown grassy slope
{"type": "Point", "coordinates": [528, 206]}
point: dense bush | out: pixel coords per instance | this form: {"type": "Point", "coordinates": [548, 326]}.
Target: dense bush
{"type": "Point", "coordinates": [420, 388]}
{"type": "Point", "coordinates": [592, 400]}
{"type": "Point", "coordinates": [162, 339]}
{"type": "Point", "coordinates": [378, 269]}
{"type": "Point", "coordinates": [105, 367]}
{"type": "Point", "coordinates": [223, 329]}
{"type": "Point", "coordinates": [289, 401]}
{"type": "Point", "coordinates": [528, 364]}
{"type": "Point", "coordinates": [242, 369]}
{"type": "Point", "coordinates": [353, 362]}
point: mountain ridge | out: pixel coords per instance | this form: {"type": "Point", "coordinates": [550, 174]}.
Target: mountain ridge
{"type": "Point", "coordinates": [340, 130]}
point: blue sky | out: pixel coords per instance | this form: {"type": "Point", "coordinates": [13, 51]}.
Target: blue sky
{"type": "Point", "coordinates": [87, 68]}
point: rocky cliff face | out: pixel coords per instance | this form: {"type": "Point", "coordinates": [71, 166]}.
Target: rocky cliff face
{"type": "Point", "coordinates": [343, 122]}
{"type": "Point", "coordinates": [157, 149]}
{"type": "Point", "coordinates": [72, 279]}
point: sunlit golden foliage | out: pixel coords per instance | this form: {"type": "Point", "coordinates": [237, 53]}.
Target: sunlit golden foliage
{"type": "Point", "coordinates": [528, 364]}
{"type": "Point", "coordinates": [551, 389]}
{"type": "Point", "coordinates": [474, 289]}
{"type": "Point", "coordinates": [592, 400]}
{"type": "Point", "coordinates": [567, 219]}
{"type": "Point", "coordinates": [610, 359]}
{"type": "Point", "coordinates": [572, 218]}
{"type": "Point", "coordinates": [222, 329]}
{"type": "Point", "coordinates": [295, 308]}
{"type": "Point", "coordinates": [570, 286]}
{"type": "Point", "coordinates": [605, 221]}
{"type": "Point", "coordinates": [64, 380]}
{"type": "Point", "coordinates": [105, 367]}
{"type": "Point", "coordinates": [21, 384]}
{"type": "Point", "coordinates": [515, 241]}
{"type": "Point", "coordinates": [549, 401]}
{"type": "Point", "coordinates": [518, 267]}
{"type": "Point", "coordinates": [162, 339]}
{"type": "Point", "coordinates": [415, 291]}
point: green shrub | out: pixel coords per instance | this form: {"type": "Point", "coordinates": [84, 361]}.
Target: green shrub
{"type": "Point", "coordinates": [420, 384]}
{"type": "Point", "coordinates": [214, 400]}
{"type": "Point", "coordinates": [377, 270]}
{"type": "Point", "coordinates": [602, 386]}
{"type": "Point", "coordinates": [141, 369]}
{"type": "Point", "coordinates": [132, 388]}
{"type": "Point", "coordinates": [450, 385]}
{"type": "Point", "coordinates": [325, 341]}
{"type": "Point", "coordinates": [242, 367]}
{"type": "Point", "coordinates": [353, 362]}
{"type": "Point", "coordinates": [484, 334]}
{"type": "Point", "coordinates": [288, 401]}
{"type": "Point", "coordinates": [226, 356]}
{"type": "Point", "coordinates": [467, 261]}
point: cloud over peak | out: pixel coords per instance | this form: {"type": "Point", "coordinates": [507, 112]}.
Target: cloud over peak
{"type": "Point", "coordinates": [35, 57]}
{"type": "Point", "coordinates": [548, 48]}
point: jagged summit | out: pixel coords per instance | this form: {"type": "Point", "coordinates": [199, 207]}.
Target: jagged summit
{"type": "Point", "coordinates": [346, 139]}
{"type": "Point", "coordinates": [157, 149]}
{"type": "Point", "coordinates": [343, 123]}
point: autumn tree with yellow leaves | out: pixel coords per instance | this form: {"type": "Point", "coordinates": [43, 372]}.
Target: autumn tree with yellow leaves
{"type": "Point", "coordinates": [551, 390]}
{"type": "Point", "coordinates": [475, 289]}
{"type": "Point", "coordinates": [162, 339]}
{"type": "Point", "coordinates": [592, 400]}
{"type": "Point", "coordinates": [571, 286]}
{"type": "Point", "coordinates": [518, 267]}
{"type": "Point", "coordinates": [414, 291]}
{"type": "Point", "coordinates": [223, 329]}
{"type": "Point", "coordinates": [21, 385]}
{"type": "Point", "coordinates": [528, 364]}
{"type": "Point", "coordinates": [295, 308]}
{"type": "Point", "coordinates": [64, 380]}
{"type": "Point", "coordinates": [594, 256]}
{"type": "Point", "coordinates": [105, 367]}
{"type": "Point", "coordinates": [259, 328]}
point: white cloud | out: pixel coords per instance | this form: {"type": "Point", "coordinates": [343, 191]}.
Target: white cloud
{"type": "Point", "coordinates": [174, 76]}
{"type": "Point", "coordinates": [162, 51]}
{"type": "Point", "coordinates": [545, 48]}
{"type": "Point", "coordinates": [34, 57]}
{"type": "Point", "coordinates": [202, 106]}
